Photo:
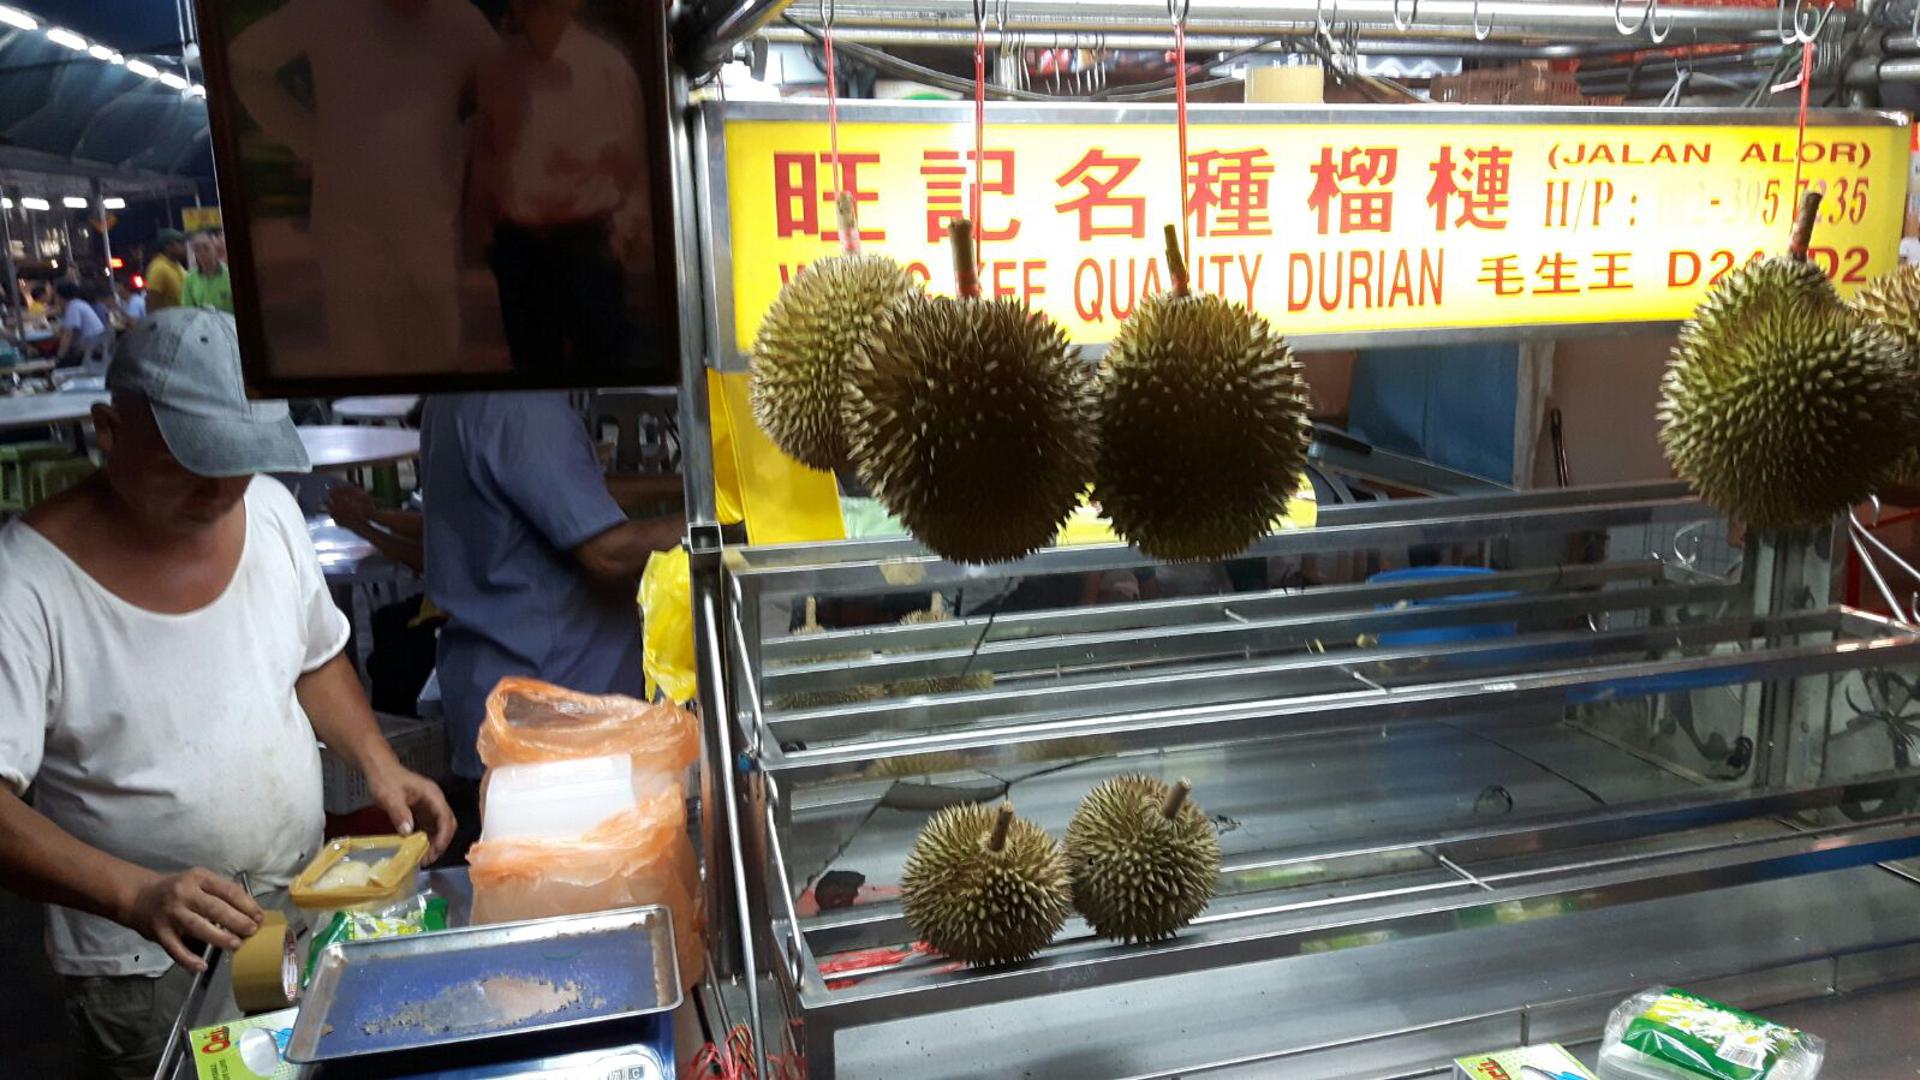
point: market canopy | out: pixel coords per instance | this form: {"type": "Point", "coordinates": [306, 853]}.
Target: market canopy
{"type": "Point", "coordinates": [74, 112]}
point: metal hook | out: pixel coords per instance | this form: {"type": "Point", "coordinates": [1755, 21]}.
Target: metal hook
{"type": "Point", "coordinates": [1412, 16]}
{"type": "Point", "coordinates": [1478, 33]}
{"type": "Point", "coordinates": [980, 14]}
{"type": "Point", "coordinates": [1802, 30]}
{"type": "Point", "coordinates": [1177, 11]}
{"type": "Point", "coordinates": [1647, 22]}
{"type": "Point", "coordinates": [826, 13]}
{"type": "Point", "coordinates": [1324, 22]}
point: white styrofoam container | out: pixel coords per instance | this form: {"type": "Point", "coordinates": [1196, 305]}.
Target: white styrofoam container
{"type": "Point", "coordinates": [556, 800]}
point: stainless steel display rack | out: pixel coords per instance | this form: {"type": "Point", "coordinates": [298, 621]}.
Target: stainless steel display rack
{"type": "Point", "coordinates": [1617, 713]}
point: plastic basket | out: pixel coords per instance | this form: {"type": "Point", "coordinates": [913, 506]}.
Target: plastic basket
{"type": "Point", "coordinates": [421, 745]}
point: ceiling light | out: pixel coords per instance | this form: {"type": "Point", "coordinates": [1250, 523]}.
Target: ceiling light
{"type": "Point", "coordinates": [6, 204]}
{"type": "Point", "coordinates": [114, 204]}
{"type": "Point", "coordinates": [62, 36]}
{"type": "Point", "coordinates": [74, 202]}
{"type": "Point", "coordinates": [143, 69]}
{"type": "Point", "coordinates": [18, 18]}
{"type": "Point", "coordinates": [101, 52]}
{"type": "Point", "coordinates": [197, 90]}
{"type": "Point", "coordinates": [175, 81]}
{"type": "Point", "coordinates": [36, 204]}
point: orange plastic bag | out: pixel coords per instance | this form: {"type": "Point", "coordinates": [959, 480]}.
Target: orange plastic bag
{"type": "Point", "coordinates": [529, 721]}
{"type": "Point", "coordinates": [638, 856]}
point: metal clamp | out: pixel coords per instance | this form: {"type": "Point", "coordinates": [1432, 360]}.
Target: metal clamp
{"type": "Point", "coordinates": [1478, 33]}
{"type": "Point", "coordinates": [1322, 19]}
{"type": "Point", "coordinates": [1413, 16]}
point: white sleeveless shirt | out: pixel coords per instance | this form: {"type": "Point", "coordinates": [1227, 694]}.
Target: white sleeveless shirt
{"type": "Point", "coordinates": [171, 741]}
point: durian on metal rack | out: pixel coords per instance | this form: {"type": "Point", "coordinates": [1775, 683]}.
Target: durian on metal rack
{"type": "Point", "coordinates": [1476, 762]}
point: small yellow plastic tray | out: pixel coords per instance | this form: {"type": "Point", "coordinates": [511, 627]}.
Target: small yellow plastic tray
{"type": "Point", "coordinates": [402, 852]}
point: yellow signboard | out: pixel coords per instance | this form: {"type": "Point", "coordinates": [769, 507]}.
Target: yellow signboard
{"type": "Point", "coordinates": [197, 218]}
{"type": "Point", "coordinates": [1336, 224]}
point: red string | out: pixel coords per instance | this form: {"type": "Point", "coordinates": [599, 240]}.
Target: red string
{"type": "Point", "coordinates": [1180, 103]}
{"type": "Point", "coordinates": [979, 126]}
{"type": "Point", "coordinates": [1800, 142]}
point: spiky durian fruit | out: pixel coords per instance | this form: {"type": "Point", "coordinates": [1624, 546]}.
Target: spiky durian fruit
{"type": "Point", "coordinates": [1143, 860]}
{"type": "Point", "coordinates": [820, 699]}
{"type": "Point", "coordinates": [1781, 404]}
{"type": "Point", "coordinates": [798, 376]}
{"type": "Point", "coordinates": [936, 611]}
{"type": "Point", "coordinates": [985, 887]}
{"type": "Point", "coordinates": [1201, 425]}
{"type": "Point", "coordinates": [968, 420]}
{"type": "Point", "coordinates": [1893, 301]}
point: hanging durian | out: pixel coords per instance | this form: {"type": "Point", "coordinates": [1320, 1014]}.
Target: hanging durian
{"type": "Point", "coordinates": [968, 419]}
{"type": "Point", "coordinates": [1200, 420]}
{"type": "Point", "coordinates": [985, 887]}
{"type": "Point", "coordinates": [820, 699]}
{"type": "Point", "coordinates": [798, 373]}
{"type": "Point", "coordinates": [936, 611]}
{"type": "Point", "coordinates": [1893, 301]}
{"type": "Point", "coordinates": [1781, 404]}
{"type": "Point", "coordinates": [1142, 858]}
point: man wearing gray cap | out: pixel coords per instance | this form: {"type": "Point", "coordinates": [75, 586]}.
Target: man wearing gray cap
{"type": "Point", "coordinates": [168, 655]}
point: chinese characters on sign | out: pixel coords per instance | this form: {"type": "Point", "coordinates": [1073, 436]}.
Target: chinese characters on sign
{"type": "Point", "coordinates": [1324, 229]}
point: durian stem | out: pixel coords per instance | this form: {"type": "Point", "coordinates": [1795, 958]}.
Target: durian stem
{"type": "Point", "coordinates": [1803, 224]}
{"type": "Point", "coordinates": [966, 275]}
{"type": "Point", "coordinates": [937, 605]}
{"type": "Point", "coordinates": [1176, 262]}
{"type": "Point", "coordinates": [849, 223]}
{"type": "Point", "coordinates": [813, 623]}
{"type": "Point", "coordinates": [997, 840]}
{"type": "Point", "coordinates": [1176, 798]}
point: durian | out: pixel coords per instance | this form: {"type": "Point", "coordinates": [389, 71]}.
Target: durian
{"type": "Point", "coordinates": [1142, 858]}
{"type": "Point", "coordinates": [1201, 425]}
{"type": "Point", "coordinates": [968, 420]}
{"type": "Point", "coordinates": [936, 611]}
{"type": "Point", "coordinates": [820, 699]}
{"type": "Point", "coordinates": [797, 380]}
{"type": "Point", "coordinates": [1781, 404]}
{"type": "Point", "coordinates": [985, 887]}
{"type": "Point", "coordinates": [1893, 301]}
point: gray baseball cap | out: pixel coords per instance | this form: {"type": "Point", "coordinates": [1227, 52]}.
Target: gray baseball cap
{"type": "Point", "coordinates": [186, 363]}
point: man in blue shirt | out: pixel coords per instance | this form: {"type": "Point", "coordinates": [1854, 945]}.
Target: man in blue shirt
{"type": "Point", "coordinates": [529, 555]}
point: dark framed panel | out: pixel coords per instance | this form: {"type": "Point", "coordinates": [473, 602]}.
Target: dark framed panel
{"type": "Point", "coordinates": [432, 195]}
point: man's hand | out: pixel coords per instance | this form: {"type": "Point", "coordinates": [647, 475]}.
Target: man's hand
{"type": "Point", "coordinates": [200, 904]}
{"type": "Point", "coordinates": [411, 800]}
{"type": "Point", "coordinates": [352, 508]}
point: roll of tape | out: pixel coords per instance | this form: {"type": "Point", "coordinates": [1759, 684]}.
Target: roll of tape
{"type": "Point", "coordinates": [266, 970]}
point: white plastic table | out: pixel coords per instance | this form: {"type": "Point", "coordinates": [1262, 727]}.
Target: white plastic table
{"type": "Point", "coordinates": [389, 408]}
{"type": "Point", "coordinates": [48, 410]}
{"type": "Point", "coordinates": [336, 447]}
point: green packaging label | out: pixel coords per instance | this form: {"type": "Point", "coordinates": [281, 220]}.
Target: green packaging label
{"type": "Point", "coordinates": [250, 1049]}
{"type": "Point", "coordinates": [1706, 1038]}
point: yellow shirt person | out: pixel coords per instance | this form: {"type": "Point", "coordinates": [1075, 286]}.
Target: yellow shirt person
{"type": "Point", "coordinates": [167, 273]}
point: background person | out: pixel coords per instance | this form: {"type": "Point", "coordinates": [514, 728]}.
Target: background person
{"type": "Point", "coordinates": [209, 285]}
{"type": "Point", "coordinates": [169, 653]}
{"type": "Point", "coordinates": [167, 272]}
{"type": "Point", "coordinates": [83, 333]}
{"type": "Point", "coordinates": [530, 557]}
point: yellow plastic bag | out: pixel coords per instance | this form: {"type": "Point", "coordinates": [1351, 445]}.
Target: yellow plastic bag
{"type": "Point", "coordinates": [666, 601]}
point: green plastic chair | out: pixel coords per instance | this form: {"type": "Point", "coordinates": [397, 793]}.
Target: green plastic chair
{"type": "Point", "coordinates": [45, 479]}
{"type": "Point", "coordinates": [15, 461]}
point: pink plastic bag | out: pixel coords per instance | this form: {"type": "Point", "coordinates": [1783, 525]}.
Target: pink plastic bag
{"type": "Point", "coordinates": [531, 721]}
{"type": "Point", "coordinates": [638, 856]}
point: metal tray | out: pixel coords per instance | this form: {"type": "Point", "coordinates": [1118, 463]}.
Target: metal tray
{"type": "Point", "coordinates": [454, 986]}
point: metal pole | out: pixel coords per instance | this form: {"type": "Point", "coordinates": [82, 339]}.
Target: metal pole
{"type": "Point", "coordinates": [894, 36]}
{"type": "Point", "coordinates": [106, 240]}
{"type": "Point", "coordinates": [1557, 18]}
{"type": "Point", "coordinates": [11, 294]}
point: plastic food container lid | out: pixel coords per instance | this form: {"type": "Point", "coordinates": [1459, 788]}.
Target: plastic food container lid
{"type": "Point", "coordinates": [392, 861]}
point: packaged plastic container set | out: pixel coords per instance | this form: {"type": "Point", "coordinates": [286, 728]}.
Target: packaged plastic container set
{"type": "Point", "coordinates": [585, 810]}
